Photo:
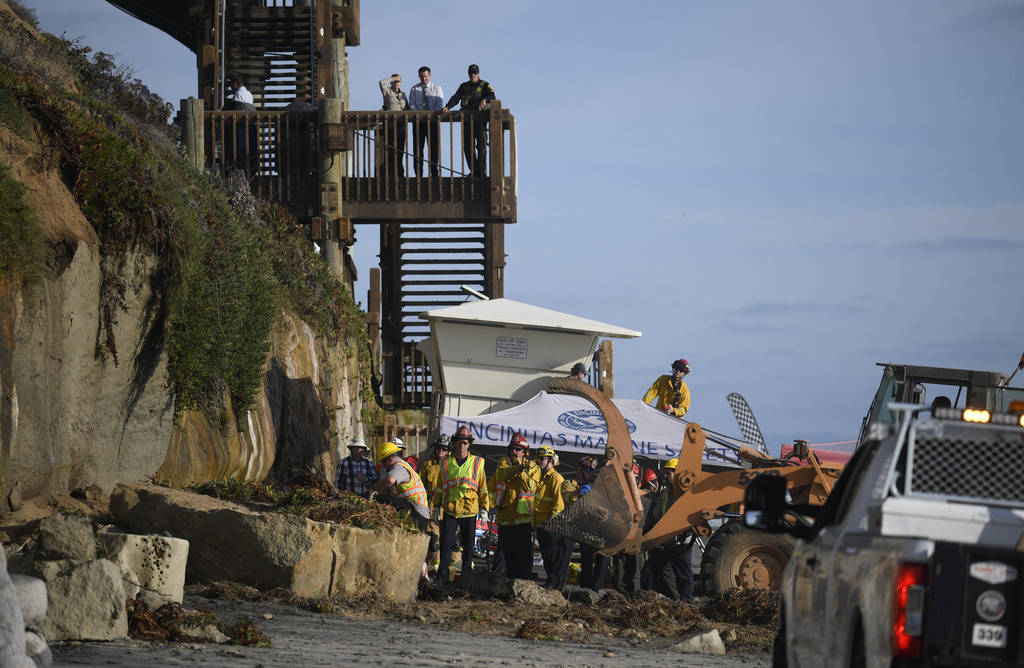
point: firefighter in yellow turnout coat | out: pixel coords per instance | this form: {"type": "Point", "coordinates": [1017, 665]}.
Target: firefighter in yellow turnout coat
{"type": "Point", "coordinates": [671, 392]}
{"type": "Point", "coordinates": [549, 503]}
{"type": "Point", "coordinates": [514, 485]}
{"type": "Point", "coordinates": [460, 497]}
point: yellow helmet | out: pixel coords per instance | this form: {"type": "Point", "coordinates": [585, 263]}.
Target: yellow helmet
{"type": "Point", "coordinates": [671, 464]}
{"type": "Point", "coordinates": [546, 451]}
{"type": "Point", "coordinates": [386, 450]}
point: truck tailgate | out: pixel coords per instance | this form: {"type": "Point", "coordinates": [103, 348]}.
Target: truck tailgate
{"type": "Point", "coordinates": [975, 616]}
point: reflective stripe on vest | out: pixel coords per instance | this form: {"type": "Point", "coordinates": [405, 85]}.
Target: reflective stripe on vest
{"type": "Point", "coordinates": [524, 503]}
{"type": "Point", "coordinates": [413, 489]}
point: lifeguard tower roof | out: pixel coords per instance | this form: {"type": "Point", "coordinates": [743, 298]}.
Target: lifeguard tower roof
{"type": "Point", "coordinates": [509, 313]}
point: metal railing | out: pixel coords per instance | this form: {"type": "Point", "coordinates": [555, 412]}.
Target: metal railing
{"type": "Point", "coordinates": [464, 159]}
{"type": "Point", "coordinates": [277, 151]}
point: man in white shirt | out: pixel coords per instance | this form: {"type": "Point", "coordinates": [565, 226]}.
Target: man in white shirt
{"type": "Point", "coordinates": [239, 93]}
{"type": "Point", "coordinates": [426, 96]}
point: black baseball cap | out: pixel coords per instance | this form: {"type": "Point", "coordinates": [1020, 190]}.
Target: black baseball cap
{"type": "Point", "coordinates": [474, 69]}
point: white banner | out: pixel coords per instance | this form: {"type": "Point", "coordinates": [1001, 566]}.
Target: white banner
{"type": "Point", "coordinates": [573, 424]}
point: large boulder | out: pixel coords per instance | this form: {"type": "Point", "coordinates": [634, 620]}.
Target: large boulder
{"type": "Point", "coordinates": [12, 626]}
{"type": "Point", "coordinates": [66, 537]}
{"type": "Point", "coordinates": [266, 550]}
{"type": "Point", "coordinates": [148, 562]}
{"type": "Point", "coordinates": [86, 600]}
{"type": "Point", "coordinates": [391, 561]}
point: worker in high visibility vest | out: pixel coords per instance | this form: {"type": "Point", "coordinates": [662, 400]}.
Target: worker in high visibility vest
{"type": "Point", "coordinates": [515, 483]}
{"type": "Point", "coordinates": [461, 496]}
{"type": "Point", "coordinates": [548, 504]}
{"type": "Point", "coordinates": [402, 484]}
{"type": "Point", "coordinates": [430, 474]}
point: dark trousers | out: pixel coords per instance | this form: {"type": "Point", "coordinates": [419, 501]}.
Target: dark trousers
{"type": "Point", "coordinates": [394, 148]}
{"type": "Point", "coordinates": [593, 568]}
{"type": "Point", "coordinates": [454, 528]}
{"type": "Point", "coordinates": [627, 573]}
{"type": "Point", "coordinates": [474, 132]}
{"type": "Point", "coordinates": [556, 558]}
{"type": "Point", "coordinates": [668, 570]}
{"type": "Point", "coordinates": [429, 132]}
{"type": "Point", "coordinates": [515, 544]}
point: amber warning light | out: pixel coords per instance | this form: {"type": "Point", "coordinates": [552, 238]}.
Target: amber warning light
{"type": "Point", "coordinates": [982, 416]}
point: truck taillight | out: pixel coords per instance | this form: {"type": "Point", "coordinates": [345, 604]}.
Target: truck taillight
{"type": "Point", "coordinates": [908, 609]}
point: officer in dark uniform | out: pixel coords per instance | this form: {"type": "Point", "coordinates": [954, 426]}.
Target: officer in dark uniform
{"type": "Point", "coordinates": [473, 95]}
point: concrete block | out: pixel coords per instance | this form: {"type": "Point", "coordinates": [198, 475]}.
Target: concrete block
{"type": "Point", "coordinates": [151, 562]}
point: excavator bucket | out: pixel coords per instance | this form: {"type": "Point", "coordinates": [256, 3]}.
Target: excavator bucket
{"type": "Point", "coordinates": [602, 518]}
{"type": "Point", "coordinates": [610, 516]}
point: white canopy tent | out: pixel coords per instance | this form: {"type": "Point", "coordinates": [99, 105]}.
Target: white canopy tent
{"type": "Point", "coordinates": [570, 423]}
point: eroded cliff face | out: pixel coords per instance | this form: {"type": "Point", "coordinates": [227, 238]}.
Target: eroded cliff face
{"type": "Point", "coordinates": [307, 406]}
{"type": "Point", "coordinates": [71, 417]}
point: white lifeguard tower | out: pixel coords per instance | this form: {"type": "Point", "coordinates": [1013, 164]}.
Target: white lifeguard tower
{"type": "Point", "coordinates": [492, 354]}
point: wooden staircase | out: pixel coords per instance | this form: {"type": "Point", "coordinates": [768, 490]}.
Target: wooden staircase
{"type": "Point", "coordinates": [272, 49]}
{"type": "Point", "coordinates": [423, 267]}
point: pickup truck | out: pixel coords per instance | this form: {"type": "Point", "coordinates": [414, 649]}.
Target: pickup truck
{"type": "Point", "coordinates": [917, 556]}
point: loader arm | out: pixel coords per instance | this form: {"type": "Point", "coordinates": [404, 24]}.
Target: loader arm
{"type": "Point", "coordinates": [708, 492]}
{"type": "Point", "coordinates": [610, 517]}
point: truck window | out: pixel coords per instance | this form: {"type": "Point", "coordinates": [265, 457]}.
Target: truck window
{"type": "Point", "coordinates": [838, 502]}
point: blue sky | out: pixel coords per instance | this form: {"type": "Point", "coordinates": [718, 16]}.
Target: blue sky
{"type": "Point", "coordinates": [783, 193]}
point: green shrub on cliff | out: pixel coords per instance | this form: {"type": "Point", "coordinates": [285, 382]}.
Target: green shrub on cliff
{"type": "Point", "coordinates": [22, 245]}
{"type": "Point", "coordinates": [226, 263]}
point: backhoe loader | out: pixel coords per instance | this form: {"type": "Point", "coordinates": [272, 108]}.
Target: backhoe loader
{"type": "Point", "coordinates": [611, 516]}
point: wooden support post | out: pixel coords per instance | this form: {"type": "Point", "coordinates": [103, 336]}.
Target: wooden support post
{"type": "Point", "coordinates": [329, 111]}
{"type": "Point", "coordinates": [391, 311]}
{"type": "Point", "coordinates": [494, 260]}
{"type": "Point", "coordinates": [373, 318]}
{"type": "Point", "coordinates": [323, 57]}
{"type": "Point", "coordinates": [497, 158]}
{"type": "Point", "coordinates": [192, 122]}
{"type": "Point", "coordinates": [606, 364]}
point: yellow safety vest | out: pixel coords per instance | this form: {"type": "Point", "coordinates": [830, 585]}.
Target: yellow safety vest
{"type": "Point", "coordinates": [462, 482]}
{"type": "Point", "coordinates": [412, 489]}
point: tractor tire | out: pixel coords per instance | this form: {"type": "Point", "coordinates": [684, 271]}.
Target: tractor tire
{"type": "Point", "coordinates": [737, 557]}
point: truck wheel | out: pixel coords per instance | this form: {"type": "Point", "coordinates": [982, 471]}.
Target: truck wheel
{"type": "Point", "coordinates": [737, 557]}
